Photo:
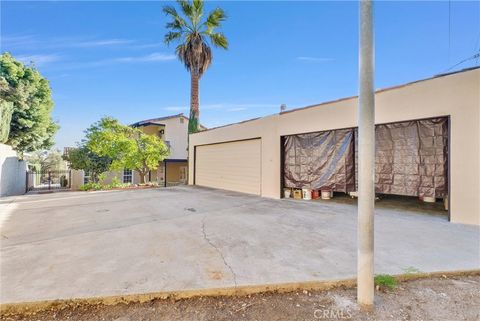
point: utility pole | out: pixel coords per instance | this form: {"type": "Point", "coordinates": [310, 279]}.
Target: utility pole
{"type": "Point", "coordinates": [366, 158]}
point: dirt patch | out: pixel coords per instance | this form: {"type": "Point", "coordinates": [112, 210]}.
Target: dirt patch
{"type": "Point", "coordinates": [453, 298]}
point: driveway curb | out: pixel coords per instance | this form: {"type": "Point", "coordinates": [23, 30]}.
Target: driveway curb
{"type": "Point", "coordinates": [27, 308]}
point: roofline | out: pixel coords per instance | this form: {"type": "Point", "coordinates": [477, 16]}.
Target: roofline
{"type": "Point", "coordinates": [349, 97]}
{"type": "Point", "coordinates": [152, 121]}
{"type": "Point", "coordinates": [384, 89]}
{"type": "Point", "coordinates": [157, 119]}
{"type": "Point", "coordinates": [142, 124]}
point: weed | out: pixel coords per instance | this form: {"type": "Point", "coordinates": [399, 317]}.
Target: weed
{"type": "Point", "coordinates": [385, 281]}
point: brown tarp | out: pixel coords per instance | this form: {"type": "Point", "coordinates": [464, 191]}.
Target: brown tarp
{"type": "Point", "coordinates": [411, 159]}
{"type": "Point", "coordinates": [322, 160]}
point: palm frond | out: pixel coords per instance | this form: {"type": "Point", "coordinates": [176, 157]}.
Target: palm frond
{"type": "Point", "coordinates": [178, 23]}
{"type": "Point", "coordinates": [175, 25]}
{"type": "Point", "coordinates": [170, 11]}
{"type": "Point", "coordinates": [198, 7]}
{"type": "Point", "coordinates": [214, 19]}
{"type": "Point", "coordinates": [194, 37]}
{"type": "Point", "coordinates": [187, 8]}
{"type": "Point", "coordinates": [172, 36]}
{"type": "Point", "coordinates": [219, 40]}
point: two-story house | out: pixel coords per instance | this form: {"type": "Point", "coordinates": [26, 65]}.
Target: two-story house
{"type": "Point", "coordinates": [173, 170]}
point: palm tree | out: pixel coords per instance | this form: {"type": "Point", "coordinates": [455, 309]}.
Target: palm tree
{"type": "Point", "coordinates": [195, 36]}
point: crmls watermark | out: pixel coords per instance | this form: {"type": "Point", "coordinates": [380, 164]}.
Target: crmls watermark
{"type": "Point", "coordinates": [332, 314]}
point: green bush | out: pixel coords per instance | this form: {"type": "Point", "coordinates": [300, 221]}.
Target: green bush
{"type": "Point", "coordinates": [385, 281]}
{"type": "Point", "coordinates": [63, 181]}
{"type": "Point", "coordinates": [115, 182]}
{"type": "Point", "coordinates": [91, 187]}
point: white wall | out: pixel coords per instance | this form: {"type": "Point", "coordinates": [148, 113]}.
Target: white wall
{"type": "Point", "coordinates": [456, 95]}
{"type": "Point", "coordinates": [12, 172]}
{"type": "Point", "coordinates": [176, 132]}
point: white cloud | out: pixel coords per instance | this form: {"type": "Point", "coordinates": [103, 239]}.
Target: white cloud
{"type": "Point", "coordinates": [315, 59]}
{"type": "Point", "coordinates": [29, 41]}
{"type": "Point", "coordinates": [38, 59]}
{"type": "Point", "coordinates": [156, 56]}
{"type": "Point", "coordinates": [101, 43]}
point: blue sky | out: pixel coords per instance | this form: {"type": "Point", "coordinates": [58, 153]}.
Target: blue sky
{"type": "Point", "coordinates": [108, 58]}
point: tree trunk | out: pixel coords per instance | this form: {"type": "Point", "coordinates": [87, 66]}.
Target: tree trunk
{"type": "Point", "coordinates": [142, 177]}
{"type": "Point", "coordinates": [193, 120]}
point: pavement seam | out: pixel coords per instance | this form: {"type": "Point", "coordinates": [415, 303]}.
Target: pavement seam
{"type": "Point", "coordinates": [218, 251]}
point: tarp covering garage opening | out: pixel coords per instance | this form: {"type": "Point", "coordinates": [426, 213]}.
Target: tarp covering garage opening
{"type": "Point", "coordinates": [322, 160]}
{"type": "Point", "coordinates": [410, 159]}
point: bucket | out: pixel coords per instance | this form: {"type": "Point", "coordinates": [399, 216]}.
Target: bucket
{"type": "Point", "coordinates": [297, 194]}
{"type": "Point", "coordinates": [428, 199]}
{"type": "Point", "coordinates": [326, 195]}
{"type": "Point", "coordinates": [306, 193]}
{"type": "Point", "coordinates": [315, 194]}
{"type": "Point", "coordinates": [287, 193]}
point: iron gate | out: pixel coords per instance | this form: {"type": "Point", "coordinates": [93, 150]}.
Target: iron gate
{"type": "Point", "coordinates": [48, 180]}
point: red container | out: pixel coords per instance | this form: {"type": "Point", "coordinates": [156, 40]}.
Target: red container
{"type": "Point", "coordinates": [315, 194]}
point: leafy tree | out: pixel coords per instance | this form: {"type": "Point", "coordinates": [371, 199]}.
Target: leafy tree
{"type": "Point", "coordinates": [31, 126]}
{"type": "Point", "coordinates": [90, 162]}
{"type": "Point", "coordinates": [46, 161]}
{"type": "Point", "coordinates": [128, 147]}
{"type": "Point", "coordinates": [6, 110]}
{"type": "Point", "coordinates": [194, 36]}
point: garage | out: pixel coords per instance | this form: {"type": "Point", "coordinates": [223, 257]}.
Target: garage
{"type": "Point", "coordinates": [427, 149]}
{"type": "Point", "coordinates": [234, 166]}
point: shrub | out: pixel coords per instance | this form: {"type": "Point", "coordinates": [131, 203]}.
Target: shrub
{"type": "Point", "coordinates": [91, 187]}
{"type": "Point", "coordinates": [385, 281]}
{"type": "Point", "coordinates": [63, 181]}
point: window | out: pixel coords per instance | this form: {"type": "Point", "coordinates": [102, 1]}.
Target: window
{"type": "Point", "coordinates": [127, 176]}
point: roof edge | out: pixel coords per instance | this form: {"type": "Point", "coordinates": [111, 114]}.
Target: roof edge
{"type": "Point", "coordinates": [348, 97]}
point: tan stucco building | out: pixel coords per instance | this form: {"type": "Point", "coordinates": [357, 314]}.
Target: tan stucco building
{"type": "Point", "coordinates": [247, 156]}
{"type": "Point", "coordinates": [173, 170]}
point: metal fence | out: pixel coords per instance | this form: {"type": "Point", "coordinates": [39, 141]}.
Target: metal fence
{"type": "Point", "coordinates": [48, 180]}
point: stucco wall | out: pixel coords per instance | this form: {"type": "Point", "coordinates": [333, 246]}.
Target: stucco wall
{"type": "Point", "coordinates": [77, 177]}
{"type": "Point", "coordinates": [12, 172]}
{"type": "Point", "coordinates": [176, 132]}
{"type": "Point", "coordinates": [456, 95]}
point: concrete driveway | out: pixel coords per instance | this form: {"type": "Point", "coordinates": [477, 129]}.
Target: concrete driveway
{"type": "Point", "coordinates": [81, 245]}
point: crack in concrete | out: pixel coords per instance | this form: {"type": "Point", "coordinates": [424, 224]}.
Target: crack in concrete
{"type": "Point", "coordinates": [219, 252]}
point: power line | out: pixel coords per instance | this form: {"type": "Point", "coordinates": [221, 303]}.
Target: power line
{"type": "Point", "coordinates": [475, 56]}
{"type": "Point", "coordinates": [449, 28]}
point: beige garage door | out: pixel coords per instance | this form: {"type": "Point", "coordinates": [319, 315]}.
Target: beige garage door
{"type": "Point", "coordinates": [233, 166]}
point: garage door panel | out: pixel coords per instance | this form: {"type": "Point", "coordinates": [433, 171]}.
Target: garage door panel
{"type": "Point", "coordinates": [233, 166]}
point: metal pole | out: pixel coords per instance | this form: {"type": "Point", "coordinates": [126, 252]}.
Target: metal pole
{"type": "Point", "coordinates": [165, 174]}
{"type": "Point", "coordinates": [366, 158]}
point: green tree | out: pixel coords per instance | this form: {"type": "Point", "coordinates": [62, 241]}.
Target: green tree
{"type": "Point", "coordinates": [46, 161]}
{"type": "Point", "coordinates": [6, 110]}
{"type": "Point", "coordinates": [128, 147]}
{"type": "Point", "coordinates": [194, 36]}
{"type": "Point", "coordinates": [31, 126]}
{"type": "Point", "coordinates": [92, 163]}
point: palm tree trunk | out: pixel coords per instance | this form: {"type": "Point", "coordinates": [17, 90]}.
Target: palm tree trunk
{"type": "Point", "coordinates": [194, 104]}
